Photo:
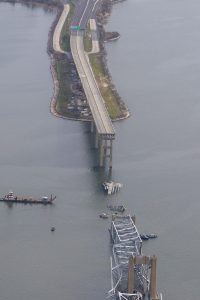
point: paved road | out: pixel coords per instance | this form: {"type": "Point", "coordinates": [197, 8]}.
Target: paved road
{"type": "Point", "coordinates": [95, 41]}
{"type": "Point", "coordinates": [58, 29]}
{"type": "Point", "coordinates": [84, 11]}
{"type": "Point", "coordinates": [97, 106]}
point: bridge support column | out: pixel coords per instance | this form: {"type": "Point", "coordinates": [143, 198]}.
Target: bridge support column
{"type": "Point", "coordinates": [131, 284]}
{"type": "Point", "coordinates": [96, 139]}
{"type": "Point", "coordinates": [105, 152]}
{"type": "Point", "coordinates": [92, 127]}
{"type": "Point", "coordinates": [108, 152]}
{"type": "Point", "coordinates": [153, 288]}
{"type": "Point", "coordinates": [101, 152]}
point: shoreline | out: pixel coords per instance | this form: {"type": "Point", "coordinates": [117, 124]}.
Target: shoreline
{"type": "Point", "coordinates": [125, 113]}
{"type": "Point", "coordinates": [102, 20]}
{"type": "Point", "coordinates": [55, 56]}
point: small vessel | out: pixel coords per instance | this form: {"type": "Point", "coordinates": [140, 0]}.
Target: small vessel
{"type": "Point", "coordinates": [11, 198]}
{"type": "Point", "coordinates": [53, 229]}
{"type": "Point", "coordinates": [148, 236]}
{"type": "Point", "coordinates": [104, 216]}
{"type": "Point", "coordinates": [144, 237]}
{"type": "Point", "coordinates": [152, 236]}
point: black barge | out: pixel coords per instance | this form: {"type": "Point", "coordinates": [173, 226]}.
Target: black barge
{"type": "Point", "coordinates": [11, 198]}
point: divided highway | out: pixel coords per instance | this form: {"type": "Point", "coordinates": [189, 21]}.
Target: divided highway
{"type": "Point", "coordinates": [85, 9]}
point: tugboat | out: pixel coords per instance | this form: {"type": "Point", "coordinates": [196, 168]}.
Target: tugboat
{"type": "Point", "coordinates": [11, 198]}
{"type": "Point", "coordinates": [144, 237]}
{"type": "Point", "coordinates": [104, 216]}
{"type": "Point", "coordinates": [148, 236]}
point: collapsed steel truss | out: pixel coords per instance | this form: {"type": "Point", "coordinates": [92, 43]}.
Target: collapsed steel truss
{"type": "Point", "coordinates": [127, 244]}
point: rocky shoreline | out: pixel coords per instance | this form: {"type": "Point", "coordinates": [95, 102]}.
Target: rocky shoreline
{"type": "Point", "coordinates": [111, 36]}
{"type": "Point", "coordinates": [102, 19]}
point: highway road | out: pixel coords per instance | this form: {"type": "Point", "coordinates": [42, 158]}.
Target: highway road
{"type": "Point", "coordinates": [84, 11]}
{"type": "Point", "coordinates": [58, 29]}
{"type": "Point", "coordinates": [97, 106]}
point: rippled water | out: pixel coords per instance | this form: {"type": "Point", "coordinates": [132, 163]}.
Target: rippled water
{"type": "Point", "coordinates": [40, 155]}
{"type": "Point", "coordinates": [155, 66]}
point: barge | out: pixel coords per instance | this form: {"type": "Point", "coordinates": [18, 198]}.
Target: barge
{"type": "Point", "coordinates": [11, 198]}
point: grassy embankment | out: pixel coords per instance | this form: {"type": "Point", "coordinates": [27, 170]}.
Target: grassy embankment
{"type": "Point", "coordinates": [111, 98]}
{"type": "Point", "coordinates": [109, 95]}
{"type": "Point", "coordinates": [105, 86]}
{"type": "Point", "coordinates": [87, 40]}
{"type": "Point", "coordinates": [62, 68]}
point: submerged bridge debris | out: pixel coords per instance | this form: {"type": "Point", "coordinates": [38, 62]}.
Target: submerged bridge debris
{"type": "Point", "coordinates": [111, 187]}
{"type": "Point", "coordinates": [133, 275]}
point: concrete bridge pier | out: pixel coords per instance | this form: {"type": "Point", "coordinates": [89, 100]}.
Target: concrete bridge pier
{"type": "Point", "coordinates": [94, 134]}
{"type": "Point", "coordinates": [101, 152]}
{"type": "Point", "coordinates": [103, 143]}
{"type": "Point", "coordinates": [143, 260]}
{"type": "Point", "coordinates": [105, 152]}
{"type": "Point", "coordinates": [92, 127]}
{"type": "Point", "coordinates": [153, 287]}
{"type": "Point", "coordinates": [96, 140]}
{"type": "Point", "coordinates": [108, 152]}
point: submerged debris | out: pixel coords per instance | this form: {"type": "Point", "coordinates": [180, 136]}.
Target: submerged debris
{"type": "Point", "coordinates": [111, 187]}
{"type": "Point", "coordinates": [118, 208]}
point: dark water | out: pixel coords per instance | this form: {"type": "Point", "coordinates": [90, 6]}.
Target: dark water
{"type": "Point", "coordinates": [155, 66]}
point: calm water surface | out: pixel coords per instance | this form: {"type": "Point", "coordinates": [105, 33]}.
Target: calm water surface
{"type": "Point", "coordinates": [155, 66]}
{"type": "Point", "coordinates": [39, 155]}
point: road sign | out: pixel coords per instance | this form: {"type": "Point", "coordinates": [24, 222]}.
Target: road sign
{"type": "Point", "coordinates": [76, 27]}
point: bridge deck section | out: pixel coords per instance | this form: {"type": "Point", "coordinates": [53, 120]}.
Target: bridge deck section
{"type": "Point", "coordinates": [96, 102]}
{"type": "Point", "coordinates": [126, 243]}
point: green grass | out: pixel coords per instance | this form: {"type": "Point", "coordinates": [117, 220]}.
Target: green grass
{"type": "Point", "coordinates": [64, 93]}
{"type": "Point", "coordinates": [63, 70]}
{"type": "Point", "coordinates": [87, 40]}
{"type": "Point", "coordinates": [103, 81]}
{"type": "Point", "coordinates": [65, 33]}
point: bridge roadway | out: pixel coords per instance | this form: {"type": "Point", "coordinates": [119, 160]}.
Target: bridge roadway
{"type": "Point", "coordinates": [104, 127]}
{"type": "Point", "coordinates": [85, 9]}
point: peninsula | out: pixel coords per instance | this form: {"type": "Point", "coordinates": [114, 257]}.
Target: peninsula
{"type": "Point", "coordinates": [69, 99]}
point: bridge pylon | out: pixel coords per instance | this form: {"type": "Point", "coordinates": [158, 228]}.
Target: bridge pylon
{"type": "Point", "coordinates": [104, 145]}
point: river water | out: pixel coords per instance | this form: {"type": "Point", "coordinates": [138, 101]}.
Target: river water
{"type": "Point", "coordinates": [155, 66]}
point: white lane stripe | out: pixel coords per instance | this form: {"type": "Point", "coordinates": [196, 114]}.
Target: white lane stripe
{"type": "Point", "coordinates": [95, 5]}
{"type": "Point", "coordinates": [84, 12]}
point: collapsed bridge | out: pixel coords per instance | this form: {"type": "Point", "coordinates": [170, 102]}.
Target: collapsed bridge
{"type": "Point", "coordinates": [133, 275]}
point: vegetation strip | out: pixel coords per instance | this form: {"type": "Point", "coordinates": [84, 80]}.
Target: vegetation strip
{"type": "Point", "coordinates": [66, 88]}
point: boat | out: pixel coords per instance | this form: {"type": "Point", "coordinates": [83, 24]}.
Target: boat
{"type": "Point", "coordinates": [148, 236]}
{"type": "Point", "coordinates": [144, 237]}
{"type": "Point", "coordinates": [104, 216]}
{"type": "Point", "coordinates": [11, 198]}
{"type": "Point", "coordinates": [152, 236]}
